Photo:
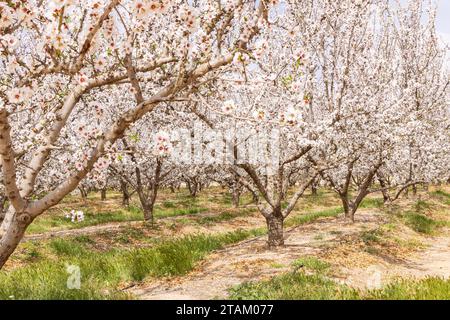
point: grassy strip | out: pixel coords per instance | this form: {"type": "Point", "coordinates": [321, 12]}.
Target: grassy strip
{"type": "Point", "coordinates": [293, 286]}
{"type": "Point", "coordinates": [418, 220]}
{"type": "Point", "coordinates": [300, 285]}
{"type": "Point", "coordinates": [311, 217]}
{"type": "Point", "coordinates": [59, 222]}
{"type": "Point", "coordinates": [102, 272]}
{"type": "Point", "coordinates": [225, 216]}
{"type": "Point", "coordinates": [442, 195]}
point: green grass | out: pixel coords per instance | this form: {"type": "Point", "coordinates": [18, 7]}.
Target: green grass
{"type": "Point", "coordinates": [169, 204]}
{"type": "Point", "coordinates": [310, 281]}
{"type": "Point", "coordinates": [323, 197]}
{"type": "Point", "coordinates": [419, 218]}
{"type": "Point", "coordinates": [302, 286]}
{"type": "Point", "coordinates": [442, 195]}
{"type": "Point", "coordinates": [422, 206]}
{"type": "Point", "coordinates": [133, 213]}
{"type": "Point", "coordinates": [332, 212]}
{"type": "Point", "coordinates": [293, 286]}
{"type": "Point", "coordinates": [179, 212]}
{"type": "Point", "coordinates": [372, 236]}
{"type": "Point", "coordinates": [70, 248]}
{"type": "Point", "coordinates": [59, 222]}
{"type": "Point", "coordinates": [225, 216]}
{"type": "Point", "coordinates": [310, 217]}
{"type": "Point", "coordinates": [311, 263]}
{"type": "Point", "coordinates": [420, 223]}
{"type": "Point", "coordinates": [431, 288]}
{"type": "Point", "coordinates": [371, 203]}
{"type": "Point", "coordinates": [102, 272]}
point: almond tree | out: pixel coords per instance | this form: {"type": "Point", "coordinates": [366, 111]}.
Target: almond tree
{"type": "Point", "coordinates": [380, 85]}
{"type": "Point", "coordinates": [264, 142]}
{"type": "Point", "coordinates": [56, 55]}
{"type": "Point", "coordinates": [143, 163]}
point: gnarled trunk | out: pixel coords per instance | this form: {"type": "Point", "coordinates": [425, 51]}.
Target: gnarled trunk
{"type": "Point", "coordinates": [236, 196]}
{"type": "Point", "coordinates": [148, 204]}
{"type": "Point", "coordinates": [103, 194]}
{"type": "Point", "coordinates": [414, 189]}
{"type": "Point", "coordinates": [384, 189]}
{"type": "Point", "coordinates": [148, 212]}
{"type": "Point", "coordinates": [12, 231]}
{"type": "Point", "coordinates": [275, 229]}
{"type": "Point", "coordinates": [125, 193]}
{"type": "Point", "coordinates": [315, 187]}
{"type": "Point", "coordinates": [83, 193]}
{"type": "Point", "coordinates": [349, 208]}
{"type": "Point", "coordinates": [2, 215]}
{"type": "Point", "coordinates": [3, 200]}
{"type": "Point", "coordinates": [193, 188]}
{"type": "Point", "coordinates": [350, 213]}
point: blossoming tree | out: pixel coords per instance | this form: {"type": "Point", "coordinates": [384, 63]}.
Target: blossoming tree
{"type": "Point", "coordinates": [56, 56]}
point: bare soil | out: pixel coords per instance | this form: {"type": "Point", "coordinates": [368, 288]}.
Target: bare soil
{"type": "Point", "coordinates": [251, 260]}
{"type": "Point", "coordinates": [163, 226]}
{"type": "Point", "coordinates": [432, 261]}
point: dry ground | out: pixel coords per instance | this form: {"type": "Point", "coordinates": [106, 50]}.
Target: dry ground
{"type": "Point", "coordinates": [251, 261]}
{"type": "Point", "coordinates": [357, 258]}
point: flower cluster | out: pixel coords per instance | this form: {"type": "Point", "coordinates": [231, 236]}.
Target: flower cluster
{"type": "Point", "coordinates": [143, 8]}
{"type": "Point", "coordinates": [229, 107]}
{"type": "Point", "coordinates": [75, 216]}
{"type": "Point", "coordinates": [162, 144]}
{"type": "Point", "coordinates": [189, 18]}
{"type": "Point", "coordinates": [19, 95]}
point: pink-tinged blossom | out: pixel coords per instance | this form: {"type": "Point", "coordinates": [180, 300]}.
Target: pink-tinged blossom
{"type": "Point", "coordinates": [229, 107]}
{"type": "Point", "coordinates": [83, 80]}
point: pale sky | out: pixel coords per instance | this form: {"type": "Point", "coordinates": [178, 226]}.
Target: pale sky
{"type": "Point", "coordinates": [444, 16]}
{"type": "Point", "coordinates": [443, 19]}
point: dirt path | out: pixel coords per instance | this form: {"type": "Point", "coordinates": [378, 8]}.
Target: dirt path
{"type": "Point", "coordinates": [114, 226]}
{"type": "Point", "coordinates": [81, 231]}
{"type": "Point", "coordinates": [250, 260]}
{"type": "Point", "coordinates": [434, 260]}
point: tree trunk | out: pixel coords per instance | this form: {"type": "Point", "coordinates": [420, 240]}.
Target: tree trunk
{"type": "Point", "coordinates": [103, 194]}
{"type": "Point", "coordinates": [384, 190]}
{"type": "Point", "coordinates": [3, 200]}
{"type": "Point", "coordinates": [125, 194]}
{"type": "Point", "coordinates": [2, 209]}
{"type": "Point", "coordinates": [406, 193]}
{"type": "Point", "coordinates": [150, 203]}
{"type": "Point", "coordinates": [349, 209]}
{"type": "Point", "coordinates": [192, 186]}
{"type": "Point", "coordinates": [254, 198]}
{"type": "Point", "coordinates": [235, 197]}
{"type": "Point", "coordinates": [275, 229]}
{"type": "Point", "coordinates": [148, 212]}
{"type": "Point", "coordinates": [83, 194]}
{"type": "Point", "coordinates": [314, 189]}
{"type": "Point", "coordinates": [350, 212]}
{"type": "Point", "coordinates": [386, 196]}
{"type": "Point", "coordinates": [12, 231]}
